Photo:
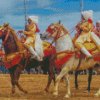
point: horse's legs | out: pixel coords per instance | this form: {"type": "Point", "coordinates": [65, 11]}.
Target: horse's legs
{"type": "Point", "coordinates": [76, 85]}
{"type": "Point", "coordinates": [49, 64]}
{"type": "Point", "coordinates": [28, 71]}
{"type": "Point", "coordinates": [98, 93]}
{"type": "Point", "coordinates": [67, 84]}
{"type": "Point", "coordinates": [58, 71]}
{"type": "Point", "coordinates": [63, 72]}
{"type": "Point", "coordinates": [12, 81]}
{"type": "Point", "coordinates": [50, 77]}
{"type": "Point", "coordinates": [17, 75]}
{"type": "Point", "coordinates": [89, 78]}
{"type": "Point", "coordinates": [67, 79]}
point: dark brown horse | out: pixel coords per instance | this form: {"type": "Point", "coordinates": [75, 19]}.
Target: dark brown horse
{"type": "Point", "coordinates": [15, 71]}
{"type": "Point", "coordinates": [89, 79]}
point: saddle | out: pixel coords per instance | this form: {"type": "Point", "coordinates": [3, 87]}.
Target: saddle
{"type": "Point", "coordinates": [14, 58]}
{"type": "Point", "coordinates": [92, 48]}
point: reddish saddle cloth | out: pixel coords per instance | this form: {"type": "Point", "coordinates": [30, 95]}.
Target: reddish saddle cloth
{"type": "Point", "coordinates": [14, 58]}
{"type": "Point", "coordinates": [48, 48]}
{"type": "Point", "coordinates": [63, 57]}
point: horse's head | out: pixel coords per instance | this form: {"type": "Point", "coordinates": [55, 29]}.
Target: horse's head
{"type": "Point", "coordinates": [51, 31]}
{"type": "Point", "coordinates": [2, 31]}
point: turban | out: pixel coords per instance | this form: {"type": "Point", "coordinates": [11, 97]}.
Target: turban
{"type": "Point", "coordinates": [87, 14]}
{"type": "Point", "coordinates": [98, 22]}
{"type": "Point", "coordinates": [34, 19]}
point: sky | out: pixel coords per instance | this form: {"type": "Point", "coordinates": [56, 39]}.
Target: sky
{"type": "Point", "coordinates": [48, 11]}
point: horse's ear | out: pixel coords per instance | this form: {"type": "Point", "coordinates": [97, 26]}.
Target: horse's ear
{"type": "Point", "coordinates": [59, 22]}
{"type": "Point", "coordinates": [6, 24]}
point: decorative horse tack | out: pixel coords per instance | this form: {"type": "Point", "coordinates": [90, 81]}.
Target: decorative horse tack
{"type": "Point", "coordinates": [72, 64]}
{"type": "Point", "coordinates": [10, 47]}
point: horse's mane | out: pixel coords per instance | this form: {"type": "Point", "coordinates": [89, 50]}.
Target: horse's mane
{"type": "Point", "coordinates": [19, 44]}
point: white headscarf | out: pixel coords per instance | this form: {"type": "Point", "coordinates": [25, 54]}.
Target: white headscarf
{"type": "Point", "coordinates": [87, 14]}
{"type": "Point", "coordinates": [34, 19]}
{"type": "Point", "coordinates": [98, 22]}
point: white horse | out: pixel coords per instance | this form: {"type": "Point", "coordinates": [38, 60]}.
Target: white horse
{"type": "Point", "coordinates": [62, 43]}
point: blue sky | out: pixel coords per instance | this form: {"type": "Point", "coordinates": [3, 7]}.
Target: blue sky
{"type": "Point", "coordinates": [48, 11]}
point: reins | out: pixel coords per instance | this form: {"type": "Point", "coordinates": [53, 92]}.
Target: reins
{"type": "Point", "coordinates": [4, 43]}
{"type": "Point", "coordinates": [72, 29]}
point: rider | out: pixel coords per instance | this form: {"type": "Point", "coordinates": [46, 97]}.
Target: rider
{"type": "Point", "coordinates": [97, 30]}
{"type": "Point", "coordinates": [79, 23]}
{"type": "Point", "coordinates": [86, 27]}
{"type": "Point", "coordinates": [78, 29]}
{"type": "Point", "coordinates": [30, 32]}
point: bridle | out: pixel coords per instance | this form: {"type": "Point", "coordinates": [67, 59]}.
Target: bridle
{"type": "Point", "coordinates": [59, 28]}
{"type": "Point", "coordinates": [6, 37]}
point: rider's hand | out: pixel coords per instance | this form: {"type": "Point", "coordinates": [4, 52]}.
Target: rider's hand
{"type": "Point", "coordinates": [21, 31]}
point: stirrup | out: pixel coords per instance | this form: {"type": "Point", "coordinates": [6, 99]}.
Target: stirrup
{"type": "Point", "coordinates": [32, 57]}
{"type": "Point", "coordinates": [89, 57]}
{"type": "Point", "coordinates": [38, 58]}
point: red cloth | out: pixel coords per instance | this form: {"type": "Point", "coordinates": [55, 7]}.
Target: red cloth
{"type": "Point", "coordinates": [15, 61]}
{"type": "Point", "coordinates": [62, 61]}
{"type": "Point", "coordinates": [90, 20]}
{"type": "Point", "coordinates": [97, 58]}
{"type": "Point", "coordinates": [47, 52]}
{"type": "Point", "coordinates": [37, 29]}
{"type": "Point", "coordinates": [49, 29]}
{"type": "Point", "coordinates": [1, 32]}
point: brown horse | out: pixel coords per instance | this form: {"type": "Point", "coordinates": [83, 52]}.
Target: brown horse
{"type": "Point", "coordinates": [15, 71]}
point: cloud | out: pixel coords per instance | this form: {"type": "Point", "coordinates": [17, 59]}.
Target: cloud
{"type": "Point", "coordinates": [68, 19]}
{"type": "Point", "coordinates": [53, 9]}
{"type": "Point", "coordinates": [14, 20]}
{"type": "Point", "coordinates": [10, 6]}
{"type": "Point", "coordinates": [43, 3]}
{"type": "Point", "coordinates": [12, 11]}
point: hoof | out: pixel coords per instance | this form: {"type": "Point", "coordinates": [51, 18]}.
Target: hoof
{"type": "Point", "coordinates": [96, 95]}
{"type": "Point", "coordinates": [25, 91]}
{"type": "Point", "coordinates": [67, 96]}
{"type": "Point", "coordinates": [55, 94]}
{"type": "Point", "coordinates": [45, 92]}
{"type": "Point", "coordinates": [10, 96]}
{"type": "Point", "coordinates": [76, 88]}
{"type": "Point", "coordinates": [13, 91]}
{"type": "Point", "coordinates": [46, 89]}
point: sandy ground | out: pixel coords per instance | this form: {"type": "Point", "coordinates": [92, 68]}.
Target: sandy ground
{"type": "Point", "coordinates": [35, 84]}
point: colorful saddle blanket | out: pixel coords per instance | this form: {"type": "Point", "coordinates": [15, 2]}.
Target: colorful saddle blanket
{"type": "Point", "coordinates": [14, 58]}
{"type": "Point", "coordinates": [64, 56]}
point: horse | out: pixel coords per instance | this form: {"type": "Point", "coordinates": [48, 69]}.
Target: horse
{"type": "Point", "coordinates": [64, 46]}
{"type": "Point", "coordinates": [10, 48]}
